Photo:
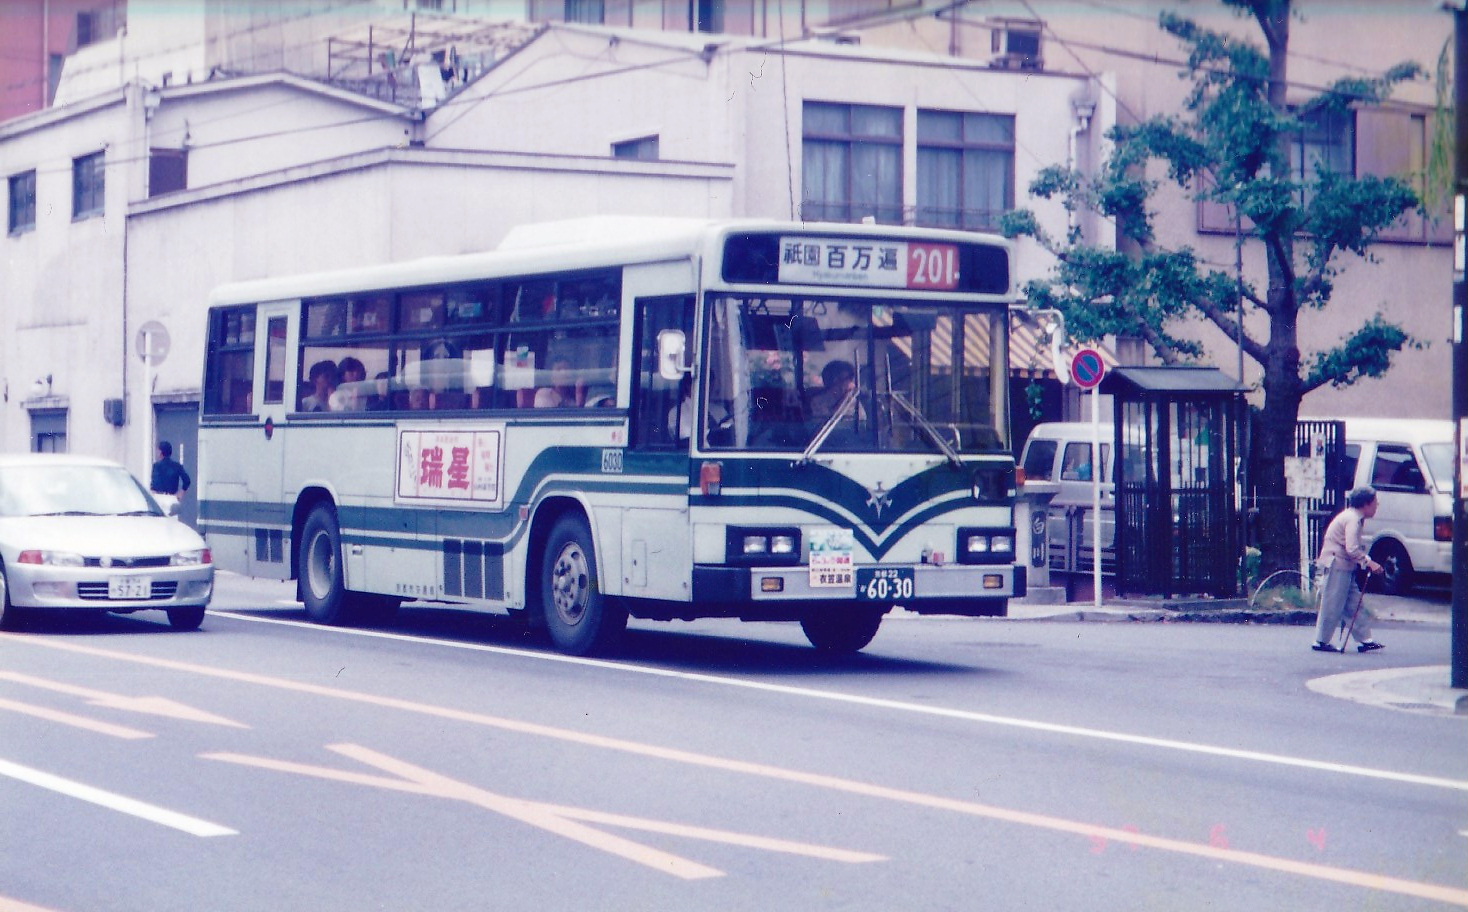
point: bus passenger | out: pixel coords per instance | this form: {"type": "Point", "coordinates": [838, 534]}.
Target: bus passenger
{"type": "Point", "coordinates": [348, 395]}
{"type": "Point", "coordinates": [564, 392]}
{"type": "Point", "coordinates": [323, 379]}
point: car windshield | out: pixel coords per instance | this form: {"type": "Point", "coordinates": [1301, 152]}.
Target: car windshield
{"type": "Point", "coordinates": [72, 490]}
{"type": "Point", "coordinates": [835, 375]}
{"type": "Point", "coordinates": [1439, 458]}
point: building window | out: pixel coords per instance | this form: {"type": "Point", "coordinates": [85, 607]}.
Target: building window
{"type": "Point", "coordinates": [965, 168]}
{"type": "Point", "coordinates": [710, 16]}
{"type": "Point", "coordinates": [644, 148]}
{"type": "Point", "coordinates": [168, 170]}
{"type": "Point", "coordinates": [1326, 143]}
{"type": "Point", "coordinates": [593, 12]}
{"type": "Point", "coordinates": [88, 183]}
{"type": "Point", "coordinates": [851, 163]}
{"type": "Point", "coordinates": [22, 202]}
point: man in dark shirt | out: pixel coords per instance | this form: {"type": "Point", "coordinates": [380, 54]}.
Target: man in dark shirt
{"type": "Point", "coordinates": [168, 476]}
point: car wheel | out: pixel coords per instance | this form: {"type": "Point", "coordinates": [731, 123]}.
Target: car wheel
{"type": "Point", "coordinates": [186, 618]}
{"type": "Point", "coordinates": [1396, 575]}
{"type": "Point", "coordinates": [842, 630]}
{"type": "Point", "coordinates": [10, 616]}
{"type": "Point", "coordinates": [320, 560]}
{"type": "Point", "coordinates": [580, 619]}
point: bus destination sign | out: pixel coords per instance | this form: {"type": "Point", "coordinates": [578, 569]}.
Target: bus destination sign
{"type": "Point", "coordinates": [875, 263]}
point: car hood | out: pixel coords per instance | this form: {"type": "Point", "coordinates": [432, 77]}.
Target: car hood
{"type": "Point", "coordinates": [117, 536]}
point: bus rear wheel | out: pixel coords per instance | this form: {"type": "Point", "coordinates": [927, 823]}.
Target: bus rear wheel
{"type": "Point", "coordinates": [844, 630]}
{"type": "Point", "coordinates": [323, 591]}
{"type": "Point", "coordinates": [580, 619]}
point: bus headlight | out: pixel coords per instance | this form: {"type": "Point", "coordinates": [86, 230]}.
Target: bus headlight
{"type": "Point", "coordinates": [747, 545]}
{"type": "Point", "coordinates": [985, 546]}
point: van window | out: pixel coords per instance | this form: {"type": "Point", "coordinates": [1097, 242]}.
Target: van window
{"type": "Point", "coordinates": [1396, 469]}
{"type": "Point", "coordinates": [1077, 463]}
{"type": "Point", "coordinates": [1349, 463]}
{"type": "Point", "coordinates": [1039, 458]}
{"type": "Point", "coordinates": [1439, 458]}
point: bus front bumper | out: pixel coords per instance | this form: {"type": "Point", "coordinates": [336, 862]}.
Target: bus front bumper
{"type": "Point", "coordinates": [961, 589]}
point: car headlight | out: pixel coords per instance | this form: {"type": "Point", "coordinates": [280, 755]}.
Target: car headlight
{"type": "Point", "coordinates": [52, 558]}
{"type": "Point", "coordinates": [191, 558]}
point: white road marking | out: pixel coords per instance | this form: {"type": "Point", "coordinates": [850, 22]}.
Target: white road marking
{"type": "Point", "coordinates": [158, 706]}
{"type": "Point", "coordinates": [65, 718]}
{"type": "Point", "coordinates": [563, 821]}
{"type": "Point", "coordinates": [899, 706]}
{"type": "Point", "coordinates": [113, 801]}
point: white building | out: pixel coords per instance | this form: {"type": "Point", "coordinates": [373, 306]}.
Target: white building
{"type": "Point", "coordinates": [128, 202]}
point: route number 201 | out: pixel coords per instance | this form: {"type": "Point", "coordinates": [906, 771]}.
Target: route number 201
{"type": "Point", "coordinates": [932, 266]}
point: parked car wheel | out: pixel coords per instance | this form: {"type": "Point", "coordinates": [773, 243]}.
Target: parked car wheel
{"type": "Point", "coordinates": [186, 618]}
{"type": "Point", "coordinates": [10, 616]}
{"type": "Point", "coordinates": [1396, 575]}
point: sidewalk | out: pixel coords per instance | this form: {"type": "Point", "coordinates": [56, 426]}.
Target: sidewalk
{"type": "Point", "coordinates": [1423, 689]}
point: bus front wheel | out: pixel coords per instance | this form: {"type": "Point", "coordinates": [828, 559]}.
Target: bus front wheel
{"type": "Point", "coordinates": [580, 619]}
{"type": "Point", "coordinates": [322, 589]}
{"type": "Point", "coordinates": [842, 630]}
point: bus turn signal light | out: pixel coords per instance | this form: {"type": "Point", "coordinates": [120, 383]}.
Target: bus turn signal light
{"type": "Point", "coordinates": [710, 477]}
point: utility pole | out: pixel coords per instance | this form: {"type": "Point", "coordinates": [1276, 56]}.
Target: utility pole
{"type": "Point", "coordinates": [1460, 347]}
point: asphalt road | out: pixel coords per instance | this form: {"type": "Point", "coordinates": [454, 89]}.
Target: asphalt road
{"type": "Point", "coordinates": [447, 763]}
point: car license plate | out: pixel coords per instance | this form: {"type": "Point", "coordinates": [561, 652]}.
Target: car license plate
{"type": "Point", "coordinates": [884, 584]}
{"type": "Point", "coordinates": [129, 587]}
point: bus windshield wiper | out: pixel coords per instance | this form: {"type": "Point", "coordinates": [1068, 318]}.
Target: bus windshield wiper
{"type": "Point", "coordinates": [927, 426]}
{"type": "Point", "coordinates": [841, 411]}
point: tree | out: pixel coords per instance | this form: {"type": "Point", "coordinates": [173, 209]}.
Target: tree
{"type": "Point", "coordinates": [1232, 146]}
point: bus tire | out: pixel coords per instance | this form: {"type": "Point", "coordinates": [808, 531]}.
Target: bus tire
{"type": "Point", "coordinates": [580, 619]}
{"type": "Point", "coordinates": [843, 630]}
{"type": "Point", "coordinates": [323, 590]}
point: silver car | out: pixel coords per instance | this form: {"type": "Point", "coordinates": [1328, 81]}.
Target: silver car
{"type": "Point", "coordinates": [79, 533]}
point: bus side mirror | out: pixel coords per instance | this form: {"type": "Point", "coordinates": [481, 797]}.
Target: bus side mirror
{"type": "Point", "coordinates": [672, 346]}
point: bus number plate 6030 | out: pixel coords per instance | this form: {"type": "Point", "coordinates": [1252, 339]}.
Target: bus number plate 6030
{"type": "Point", "coordinates": [884, 584]}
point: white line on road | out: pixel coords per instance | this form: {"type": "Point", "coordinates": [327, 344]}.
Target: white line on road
{"type": "Point", "coordinates": [113, 801]}
{"type": "Point", "coordinates": [899, 706]}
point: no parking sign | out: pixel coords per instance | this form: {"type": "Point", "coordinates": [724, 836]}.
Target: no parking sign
{"type": "Point", "coordinates": [1087, 368]}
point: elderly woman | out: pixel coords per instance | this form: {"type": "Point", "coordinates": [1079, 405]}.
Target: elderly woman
{"type": "Point", "coordinates": [1341, 554]}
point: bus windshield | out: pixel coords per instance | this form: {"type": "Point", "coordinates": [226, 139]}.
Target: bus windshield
{"type": "Point", "coordinates": [855, 376]}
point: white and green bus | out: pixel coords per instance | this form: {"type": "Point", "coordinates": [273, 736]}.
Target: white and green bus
{"type": "Point", "coordinates": [606, 418]}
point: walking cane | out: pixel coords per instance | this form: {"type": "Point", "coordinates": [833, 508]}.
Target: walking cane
{"type": "Point", "coordinates": [1360, 581]}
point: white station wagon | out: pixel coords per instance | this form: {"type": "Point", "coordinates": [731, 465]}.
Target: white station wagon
{"type": "Point", "coordinates": [79, 533]}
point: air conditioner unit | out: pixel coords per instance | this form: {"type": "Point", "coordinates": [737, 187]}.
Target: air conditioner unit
{"type": "Point", "coordinates": [114, 411]}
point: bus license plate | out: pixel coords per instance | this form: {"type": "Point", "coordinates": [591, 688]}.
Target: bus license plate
{"type": "Point", "coordinates": [884, 584]}
{"type": "Point", "coordinates": [129, 587]}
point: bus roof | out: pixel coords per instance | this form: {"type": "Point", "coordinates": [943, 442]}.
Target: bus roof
{"type": "Point", "coordinates": [598, 241]}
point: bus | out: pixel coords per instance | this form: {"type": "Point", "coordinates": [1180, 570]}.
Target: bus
{"type": "Point", "coordinates": [608, 418]}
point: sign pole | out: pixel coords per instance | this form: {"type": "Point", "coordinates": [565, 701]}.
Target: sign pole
{"type": "Point", "coordinates": [1086, 369]}
{"type": "Point", "coordinates": [1459, 612]}
{"type": "Point", "coordinates": [145, 404]}
{"type": "Point", "coordinates": [1096, 496]}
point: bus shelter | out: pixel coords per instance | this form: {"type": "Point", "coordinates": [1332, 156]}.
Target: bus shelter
{"type": "Point", "coordinates": [1179, 529]}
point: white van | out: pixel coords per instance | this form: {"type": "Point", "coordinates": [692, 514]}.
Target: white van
{"type": "Point", "coordinates": [1060, 451]}
{"type": "Point", "coordinates": [1409, 461]}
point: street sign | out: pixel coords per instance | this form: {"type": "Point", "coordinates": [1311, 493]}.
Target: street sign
{"type": "Point", "coordinates": [152, 342]}
{"type": "Point", "coordinates": [1087, 368]}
